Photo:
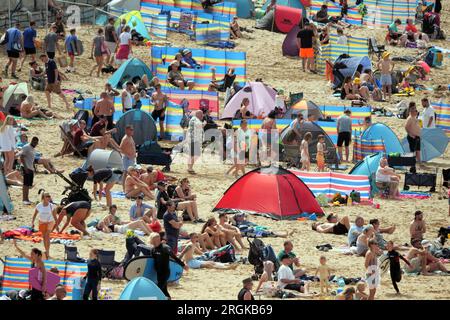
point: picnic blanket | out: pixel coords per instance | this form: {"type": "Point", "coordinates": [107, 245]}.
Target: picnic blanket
{"type": "Point", "coordinates": [15, 274]}
{"type": "Point", "coordinates": [37, 236]}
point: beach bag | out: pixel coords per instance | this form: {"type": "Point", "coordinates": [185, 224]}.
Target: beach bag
{"type": "Point", "coordinates": [355, 196]}
{"type": "Point", "coordinates": [224, 254]}
{"type": "Point", "coordinates": [322, 200]}
{"type": "Point", "coordinates": [79, 48]}
{"type": "Point", "coordinates": [116, 273]}
{"type": "Point", "coordinates": [434, 57]}
{"type": "Point", "coordinates": [256, 255]}
{"type": "Point", "coordinates": [337, 197]}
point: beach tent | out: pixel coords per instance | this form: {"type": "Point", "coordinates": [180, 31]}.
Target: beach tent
{"type": "Point", "coordinates": [368, 166]}
{"type": "Point", "coordinates": [13, 95]}
{"type": "Point", "coordinates": [134, 20]}
{"type": "Point", "coordinates": [125, 5]}
{"type": "Point", "coordinates": [130, 69]}
{"type": "Point", "coordinates": [261, 96]}
{"type": "Point", "coordinates": [316, 130]}
{"type": "Point", "coordinates": [281, 19]}
{"type": "Point", "coordinates": [433, 143]}
{"type": "Point", "coordinates": [307, 108]}
{"type": "Point", "coordinates": [141, 288]}
{"type": "Point", "coordinates": [245, 8]}
{"type": "Point", "coordinates": [380, 131]}
{"type": "Point", "coordinates": [347, 67]}
{"type": "Point", "coordinates": [143, 124]}
{"type": "Point", "coordinates": [272, 191]}
{"type": "Point", "coordinates": [102, 159]}
{"type": "Point", "coordinates": [290, 46]}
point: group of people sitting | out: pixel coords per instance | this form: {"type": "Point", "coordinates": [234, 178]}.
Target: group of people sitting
{"type": "Point", "coordinates": [410, 37]}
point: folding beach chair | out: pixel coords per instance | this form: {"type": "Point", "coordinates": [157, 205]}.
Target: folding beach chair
{"type": "Point", "coordinates": [374, 48]}
{"type": "Point", "coordinates": [71, 254]}
{"type": "Point", "coordinates": [68, 146]}
{"type": "Point", "coordinates": [106, 259]}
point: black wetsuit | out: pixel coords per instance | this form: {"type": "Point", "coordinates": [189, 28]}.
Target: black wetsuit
{"type": "Point", "coordinates": [242, 293]}
{"type": "Point", "coordinates": [94, 275]}
{"type": "Point", "coordinates": [395, 270]}
{"type": "Point", "coordinates": [74, 206]}
{"type": "Point", "coordinates": [162, 255]}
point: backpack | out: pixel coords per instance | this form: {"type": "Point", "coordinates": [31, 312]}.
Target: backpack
{"type": "Point", "coordinates": [339, 198]}
{"type": "Point", "coordinates": [434, 57]}
{"type": "Point", "coordinates": [256, 255]}
{"type": "Point", "coordinates": [355, 196]}
{"type": "Point", "coordinates": [224, 254]}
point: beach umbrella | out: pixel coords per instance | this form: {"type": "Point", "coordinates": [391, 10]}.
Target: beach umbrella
{"type": "Point", "coordinates": [433, 143]}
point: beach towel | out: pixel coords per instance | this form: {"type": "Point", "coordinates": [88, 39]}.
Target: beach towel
{"type": "Point", "coordinates": [36, 237]}
{"type": "Point", "coordinates": [118, 195]}
{"type": "Point", "coordinates": [414, 195]}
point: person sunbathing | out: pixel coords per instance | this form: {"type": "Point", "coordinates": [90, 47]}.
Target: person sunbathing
{"type": "Point", "coordinates": [183, 194]}
{"type": "Point", "coordinates": [152, 176]}
{"type": "Point", "coordinates": [223, 84]}
{"type": "Point", "coordinates": [347, 91]}
{"type": "Point", "coordinates": [135, 186]}
{"type": "Point", "coordinates": [232, 233]}
{"type": "Point", "coordinates": [235, 29]}
{"type": "Point", "coordinates": [422, 261]}
{"type": "Point", "coordinates": [142, 211]}
{"type": "Point", "coordinates": [112, 223]}
{"type": "Point", "coordinates": [386, 177]}
{"type": "Point", "coordinates": [334, 225]}
{"type": "Point", "coordinates": [82, 141]}
{"type": "Point", "coordinates": [29, 110]}
{"type": "Point", "coordinates": [192, 248]}
{"type": "Point", "coordinates": [176, 78]}
{"type": "Point", "coordinates": [212, 229]}
{"type": "Point", "coordinates": [362, 242]}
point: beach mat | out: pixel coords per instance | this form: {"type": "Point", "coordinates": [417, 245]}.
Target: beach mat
{"type": "Point", "coordinates": [414, 195]}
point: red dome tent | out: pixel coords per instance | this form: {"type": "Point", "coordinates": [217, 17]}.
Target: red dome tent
{"type": "Point", "coordinates": [270, 191]}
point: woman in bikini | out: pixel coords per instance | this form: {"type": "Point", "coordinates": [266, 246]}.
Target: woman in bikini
{"type": "Point", "coordinates": [76, 214]}
{"type": "Point", "coordinates": [135, 186]}
{"type": "Point", "coordinates": [244, 113]}
{"type": "Point", "coordinates": [212, 229]}
{"type": "Point", "coordinates": [47, 217]}
{"type": "Point", "coordinates": [186, 200]}
{"type": "Point", "coordinates": [112, 223]}
{"type": "Point", "coordinates": [232, 234]}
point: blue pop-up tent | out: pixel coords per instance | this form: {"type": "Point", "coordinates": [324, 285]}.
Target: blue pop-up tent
{"type": "Point", "coordinates": [380, 131]}
{"type": "Point", "coordinates": [130, 69]}
{"type": "Point", "coordinates": [141, 288]}
{"type": "Point", "coordinates": [367, 166]}
{"type": "Point", "coordinates": [351, 66]}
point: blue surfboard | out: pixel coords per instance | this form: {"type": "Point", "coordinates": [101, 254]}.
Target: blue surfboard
{"type": "Point", "coordinates": [144, 266]}
{"type": "Point", "coordinates": [141, 288]}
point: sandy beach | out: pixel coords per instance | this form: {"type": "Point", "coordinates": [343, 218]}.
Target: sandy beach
{"type": "Point", "coordinates": [264, 59]}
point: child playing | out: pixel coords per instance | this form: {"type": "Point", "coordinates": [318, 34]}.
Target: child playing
{"type": "Point", "coordinates": [394, 264]}
{"type": "Point", "coordinates": [361, 291]}
{"type": "Point", "coordinates": [386, 65]}
{"type": "Point", "coordinates": [93, 276]}
{"type": "Point", "coordinates": [324, 274]}
{"type": "Point", "coordinates": [137, 101]}
{"type": "Point", "coordinates": [71, 49]}
{"type": "Point", "coordinates": [304, 152]}
{"type": "Point", "coordinates": [321, 150]}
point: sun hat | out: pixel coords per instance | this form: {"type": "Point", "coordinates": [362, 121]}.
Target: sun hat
{"type": "Point", "coordinates": [386, 54]}
{"type": "Point", "coordinates": [357, 81]}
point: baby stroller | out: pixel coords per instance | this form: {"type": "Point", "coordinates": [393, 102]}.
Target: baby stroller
{"type": "Point", "coordinates": [76, 190]}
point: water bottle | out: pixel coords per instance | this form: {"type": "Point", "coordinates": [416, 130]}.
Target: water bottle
{"type": "Point", "coordinates": [341, 282]}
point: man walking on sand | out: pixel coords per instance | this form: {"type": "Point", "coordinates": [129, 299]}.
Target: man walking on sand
{"type": "Point", "coordinates": [413, 130]}
{"type": "Point", "coordinates": [27, 155]}
{"type": "Point", "coordinates": [386, 65]}
{"type": "Point", "coordinates": [344, 130]}
{"type": "Point", "coordinates": [53, 81]}
{"type": "Point", "coordinates": [14, 48]}
{"type": "Point", "coordinates": [160, 100]}
{"type": "Point", "coordinates": [128, 150]}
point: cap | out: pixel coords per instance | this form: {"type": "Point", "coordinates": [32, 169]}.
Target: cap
{"type": "Point", "coordinates": [186, 51]}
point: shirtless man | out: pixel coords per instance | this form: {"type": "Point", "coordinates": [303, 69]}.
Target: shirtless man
{"type": "Point", "coordinates": [386, 65]}
{"type": "Point", "coordinates": [413, 130]}
{"type": "Point", "coordinates": [159, 100]}
{"type": "Point", "coordinates": [105, 107]}
{"type": "Point", "coordinates": [422, 261]}
{"type": "Point", "coordinates": [135, 186]}
{"type": "Point", "coordinates": [417, 228]}
{"type": "Point", "coordinates": [193, 247]}
{"type": "Point", "coordinates": [29, 110]}
{"type": "Point", "coordinates": [128, 150]}
{"type": "Point", "coordinates": [335, 225]}
{"type": "Point", "coordinates": [151, 177]}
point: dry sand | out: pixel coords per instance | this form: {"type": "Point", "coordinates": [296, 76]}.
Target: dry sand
{"type": "Point", "coordinates": [264, 59]}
